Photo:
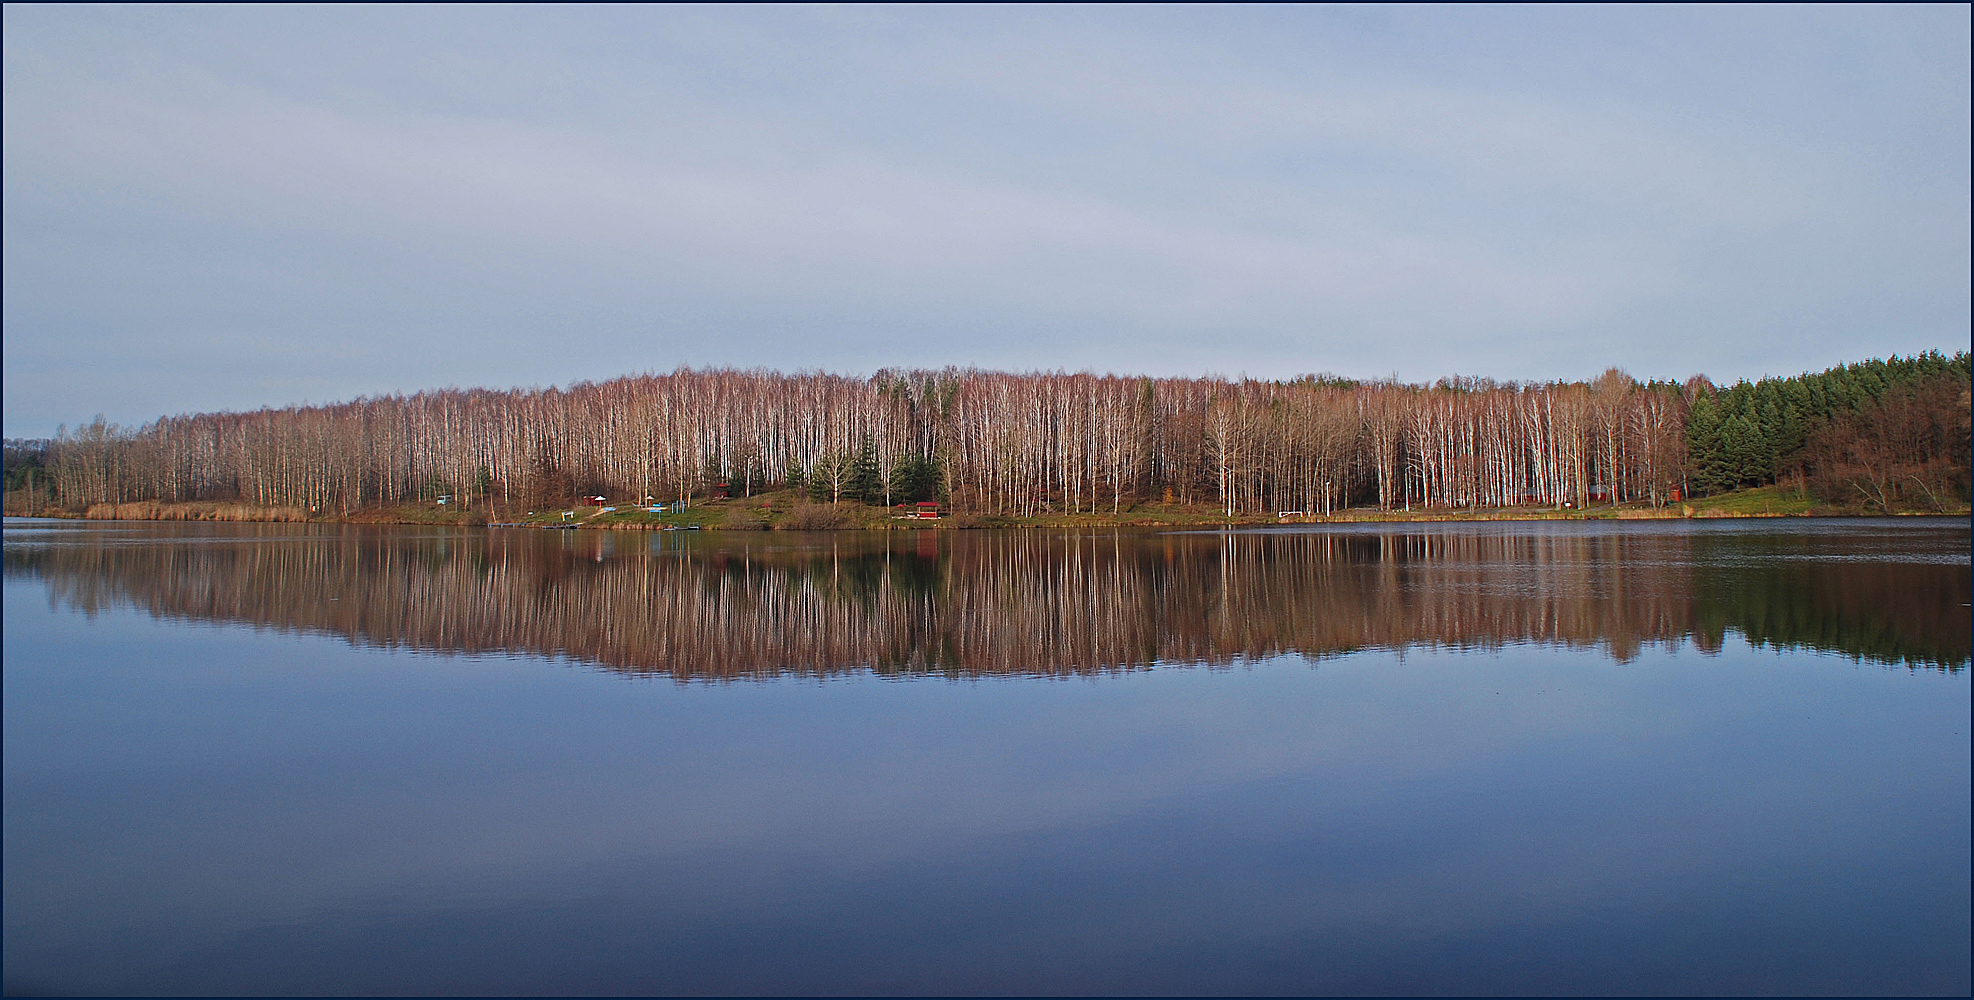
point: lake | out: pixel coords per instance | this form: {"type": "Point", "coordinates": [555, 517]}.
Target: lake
{"type": "Point", "coordinates": [1515, 757]}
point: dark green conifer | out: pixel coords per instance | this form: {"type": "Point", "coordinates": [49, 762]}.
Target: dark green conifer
{"type": "Point", "coordinates": [864, 483]}
{"type": "Point", "coordinates": [1744, 459]}
{"type": "Point", "coordinates": [1706, 456]}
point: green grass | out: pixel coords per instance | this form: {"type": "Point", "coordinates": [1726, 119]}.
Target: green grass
{"type": "Point", "coordinates": [770, 510]}
{"type": "Point", "coordinates": [623, 517]}
{"type": "Point", "coordinates": [1762, 501]}
{"type": "Point", "coordinates": [411, 513]}
{"type": "Point", "coordinates": [1784, 500]}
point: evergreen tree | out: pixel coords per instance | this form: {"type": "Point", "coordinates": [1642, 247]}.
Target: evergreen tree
{"type": "Point", "coordinates": [1771, 430]}
{"type": "Point", "coordinates": [1706, 455]}
{"type": "Point", "coordinates": [829, 481]}
{"type": "Point", "coordinates": [914, 477]}
{"type": "Point", "coordinates": [864, 483]}
{"type": "Point", "coordinates": [1743, 452]}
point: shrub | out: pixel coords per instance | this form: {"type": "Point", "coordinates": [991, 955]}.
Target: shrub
{"type": "Point", "coordinates": [814, 517]}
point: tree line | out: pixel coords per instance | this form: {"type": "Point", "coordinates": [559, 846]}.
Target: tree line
{"type": "Point", "coordinates": [1877, 432]}
{"type": "Point", "coordinates": [1881, 432]}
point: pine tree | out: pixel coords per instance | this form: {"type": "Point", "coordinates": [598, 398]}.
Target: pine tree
{"type": "Point", "coordinates": [830, 479]}
{"type": "Point", "coordinates": [1743, 460]}
{"type": "Point", "coordinates": [1706, 456]}
{"type": "Point", "coordinates": [864, 482]}
{"type": "Point", "coordinates": [914, 477]}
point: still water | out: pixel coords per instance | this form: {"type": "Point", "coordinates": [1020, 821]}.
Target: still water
{"type": "Point", "coordinates": [1718, 757]}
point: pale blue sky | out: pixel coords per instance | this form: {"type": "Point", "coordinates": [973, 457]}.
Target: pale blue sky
{"type": "Point", "coordinates": [239, 207]}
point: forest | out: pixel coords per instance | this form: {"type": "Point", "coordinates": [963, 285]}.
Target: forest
{"type": "Point", "coordinates": [1882, 434]}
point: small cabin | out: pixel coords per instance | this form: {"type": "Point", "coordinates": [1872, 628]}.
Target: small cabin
{"type": "Point", "coordinates": [721, 490]}
{"type": "Point", "coordinates": [928, 509]}
{"type": "Point", "coordinates": [594, 501]}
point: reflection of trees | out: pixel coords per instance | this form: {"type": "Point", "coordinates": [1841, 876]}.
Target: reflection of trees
{"type": "Point", "coordinates": [1019, 602]}
{"type": "Point", "coordinates": [1788, 592]}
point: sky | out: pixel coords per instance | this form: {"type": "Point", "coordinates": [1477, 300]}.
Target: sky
{"type": "Point", "coordinates": [236, 207]}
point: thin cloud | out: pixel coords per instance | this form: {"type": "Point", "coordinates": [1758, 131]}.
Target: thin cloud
{"type": "Point", "coordinates": [426, 206]}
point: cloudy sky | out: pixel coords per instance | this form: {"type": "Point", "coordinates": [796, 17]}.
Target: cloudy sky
{"type": "Point", "coordinates": [226, 208]}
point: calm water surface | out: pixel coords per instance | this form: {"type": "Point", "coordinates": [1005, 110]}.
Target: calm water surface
{"type": "Point", "coordinates": [1549, 758]}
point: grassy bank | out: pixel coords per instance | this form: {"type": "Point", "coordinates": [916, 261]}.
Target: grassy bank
{"type": "Point", "coordinates": [788, 510]}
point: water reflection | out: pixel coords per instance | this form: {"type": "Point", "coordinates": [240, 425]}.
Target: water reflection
{"type": "Point", "coordinates": [980, 603]}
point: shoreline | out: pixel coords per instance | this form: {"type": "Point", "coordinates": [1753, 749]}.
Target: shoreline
{"type": "Point", "coordinates": [769, 515]}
